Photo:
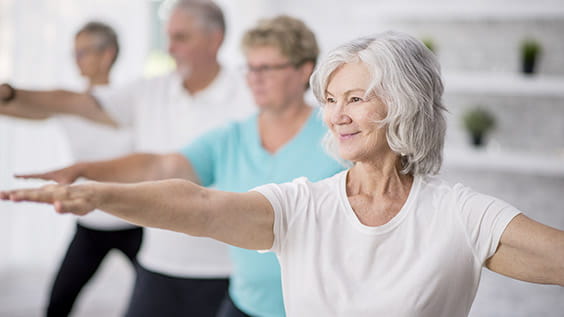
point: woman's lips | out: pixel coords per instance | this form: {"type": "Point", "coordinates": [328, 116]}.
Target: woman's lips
{"type": "Point", "coordinates": [347, 136]}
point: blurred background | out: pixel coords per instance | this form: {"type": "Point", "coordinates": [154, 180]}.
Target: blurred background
{"type": "Point", "coordinates": [482, 46]}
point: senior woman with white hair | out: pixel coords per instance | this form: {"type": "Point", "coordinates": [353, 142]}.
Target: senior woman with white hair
{"type": "Point", "coordinates": [384, 237]}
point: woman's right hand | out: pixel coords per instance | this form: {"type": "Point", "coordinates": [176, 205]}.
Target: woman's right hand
{"type": "Point", "coordinates": [67, 175]}
{"type": "Point", "coordinates": [76, 199]}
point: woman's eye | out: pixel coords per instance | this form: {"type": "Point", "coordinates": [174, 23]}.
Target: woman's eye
{"type": "Point", "coordinates": [330, 100]}
{"type": "Point", "coordinates": [355, 99]}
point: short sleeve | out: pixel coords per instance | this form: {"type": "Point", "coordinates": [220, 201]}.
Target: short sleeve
{"type": "Point", "coordinates": [484, 218]}
{"type": "Point", "coordinates": [203, 154]}
{"type": "Point", "coordinates": [287, 201]}
{"type": "Point", "coordinates": [119, 102]}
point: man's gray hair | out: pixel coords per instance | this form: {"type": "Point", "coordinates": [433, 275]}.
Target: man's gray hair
{"type": "Point", "coordinates": [209, 13]}
{"type": "Point", "coordinates": [406, 77]}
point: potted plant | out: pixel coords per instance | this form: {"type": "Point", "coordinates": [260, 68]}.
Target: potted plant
{"type": "Point", "coordinates": [430, 44]}
{"type": "Point", "coordinates": [530, 52]}
{"type": "Point", "coordinates": [478, 122]}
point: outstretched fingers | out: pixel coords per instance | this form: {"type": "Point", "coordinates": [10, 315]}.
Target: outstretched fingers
{"type": "Point", "coordinates": [44, 176]}
{"type": "Point", "coordinates": [59, 176]}
{"type": "Point", "coordinates": [46, 194]}
{"type": "Point", "coordinates": [65, 198]}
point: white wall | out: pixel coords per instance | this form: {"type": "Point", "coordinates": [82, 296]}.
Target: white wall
{"type": "Point", "coordinates": [36, 38]}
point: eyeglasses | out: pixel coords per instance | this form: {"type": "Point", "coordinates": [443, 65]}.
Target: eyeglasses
{"type": "Point", "coordinates": [78, 54]}
{"type": "Point", "coordinates": [264, 69]}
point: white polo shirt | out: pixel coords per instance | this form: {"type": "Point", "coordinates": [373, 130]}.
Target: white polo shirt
{"type": "Point", "coordinates": [164, 117]}
{"type": "Point", "coordinates": [90, 141]}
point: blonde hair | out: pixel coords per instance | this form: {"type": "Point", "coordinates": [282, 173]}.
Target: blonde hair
{"type": "Point", "coordinates": [290, 35]}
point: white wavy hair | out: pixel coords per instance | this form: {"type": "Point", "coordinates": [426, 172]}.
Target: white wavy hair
{"type": "Point", "coordinates": [406, 77]}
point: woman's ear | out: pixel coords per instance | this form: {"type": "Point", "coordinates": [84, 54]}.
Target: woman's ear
{"type": "Point", "coordinates": [306, 69]}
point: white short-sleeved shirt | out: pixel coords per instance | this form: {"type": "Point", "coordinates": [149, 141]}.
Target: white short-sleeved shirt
{"type": "Point", "coordinates": [164, 117]}
{"type": "Point", "coordinates": [90, 141]}
{"type": "Point", "coordinates": [426, 261]}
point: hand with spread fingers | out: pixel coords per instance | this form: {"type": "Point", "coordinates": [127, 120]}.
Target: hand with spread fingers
{"type": "Point", "coordinates": [77, 199]}
{"type": "Point", "coordinates": [67, 175]}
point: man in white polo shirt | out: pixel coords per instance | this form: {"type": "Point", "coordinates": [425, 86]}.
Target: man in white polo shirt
{"type": "Point", "coordinates": [177, 275]}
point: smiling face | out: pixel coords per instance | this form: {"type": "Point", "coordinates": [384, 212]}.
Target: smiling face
{"type": "Point", "coordinates": [273, 80]}
{"type": "Point", "coordinates": [351, 114]}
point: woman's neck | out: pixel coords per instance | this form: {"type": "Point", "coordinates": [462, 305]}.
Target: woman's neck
{"type": "Point", "coordinates": [98, 80]}
{"type": "Point", "coordinates": [379, 178]}
{"type": "Point", "coordinates": [277, 127]}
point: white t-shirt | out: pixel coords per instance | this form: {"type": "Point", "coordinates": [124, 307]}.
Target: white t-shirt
{"type": "Point", "coordinates": [426, 261]}
{"type": "Point", "coordinates": [164, 117]}
{"type": "Point", "coordinates": [90, 141]}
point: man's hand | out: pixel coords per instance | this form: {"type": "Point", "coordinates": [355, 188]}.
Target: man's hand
{"type": "Point", "coordinates": [77, 199]}
{"type": "Point", "coordinates": [67, 175]}
{"type": "Point", "coordinates": [6, 94]}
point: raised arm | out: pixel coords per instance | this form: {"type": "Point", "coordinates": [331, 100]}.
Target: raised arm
{"type": "Point", "coordinates": [30, 104]}
{"type": "Point", "coordinates": [127, 169]}
{"type": "Point", "coordinates": [240, 219]}
{"type": "Point", "coordinates": [530, 251]}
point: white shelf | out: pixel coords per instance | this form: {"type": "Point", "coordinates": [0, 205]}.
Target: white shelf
{"type": "Point", "coordinates": [463, 11]}
{"type": "Point", "coordinates": [542, 164]}
{"type": "Point", "coordinates": [514, 84]}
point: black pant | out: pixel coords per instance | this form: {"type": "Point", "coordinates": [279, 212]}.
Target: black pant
{"type": "Point", "coordinates": [84, 255]}
{"type": "Point", "coordinates": [228, 309]}
{"type": "Point", "coordinates": [155, 294]}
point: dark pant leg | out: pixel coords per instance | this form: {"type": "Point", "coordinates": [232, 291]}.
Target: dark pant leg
{"type": "Point", "coordinates": [228, 309]}
{"type": "Point", "coordinates": [128, 241]}
{"type": "Point", "coordinates": [156, 294]}
{"type": "Point", "coordinates": [81, 261]}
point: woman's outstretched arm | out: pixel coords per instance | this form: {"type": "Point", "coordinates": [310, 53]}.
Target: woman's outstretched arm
{"type": "Point", "coordinates": [530, 251]}
{"type": "Point", "coordinates": [240, 219]}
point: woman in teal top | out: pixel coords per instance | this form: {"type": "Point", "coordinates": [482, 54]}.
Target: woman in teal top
{"type": "Point", "coordinates": [281, 142]}
{"type": "Point", "coordinates": [233, 159]}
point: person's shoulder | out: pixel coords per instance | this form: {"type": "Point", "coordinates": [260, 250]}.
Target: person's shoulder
{"type": "Point", "coordinates": [323, 185]}
{"type": "Point", "coordinates": [317, 116]}
{"type": "Point", "coordinates": [231, 74]}
{"type": "Point", "coordinates": [166, 79]}
{"type": "Point", "coordinates": [445, 193]}
{"type": "Point", "coordinates": [315, 125]}
{"type": "Point", "coordinates": [435, 185]}
{"type": "Point", "coordinates": [240, 125]}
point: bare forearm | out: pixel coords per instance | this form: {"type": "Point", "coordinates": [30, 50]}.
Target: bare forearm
{"type": "Point", "coordinates": [241, 219]}
{"type": "Point", "coordinates": [132, 168]}
{"type": "Point", "coordinates": [170, 204]}
{"type": "Point", "coordinates": [127, 169]}
{"type": "Point", "coordinates": [29, 113]}
{"type": "Point", "coordinates": [35, 104]}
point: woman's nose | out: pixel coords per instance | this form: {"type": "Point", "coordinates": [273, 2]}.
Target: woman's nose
{"type": "Point", "coordinates": [339, 114]}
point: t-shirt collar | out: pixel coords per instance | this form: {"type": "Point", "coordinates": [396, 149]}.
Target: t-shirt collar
{"type": "Point", "coordinates": [217, 92]}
